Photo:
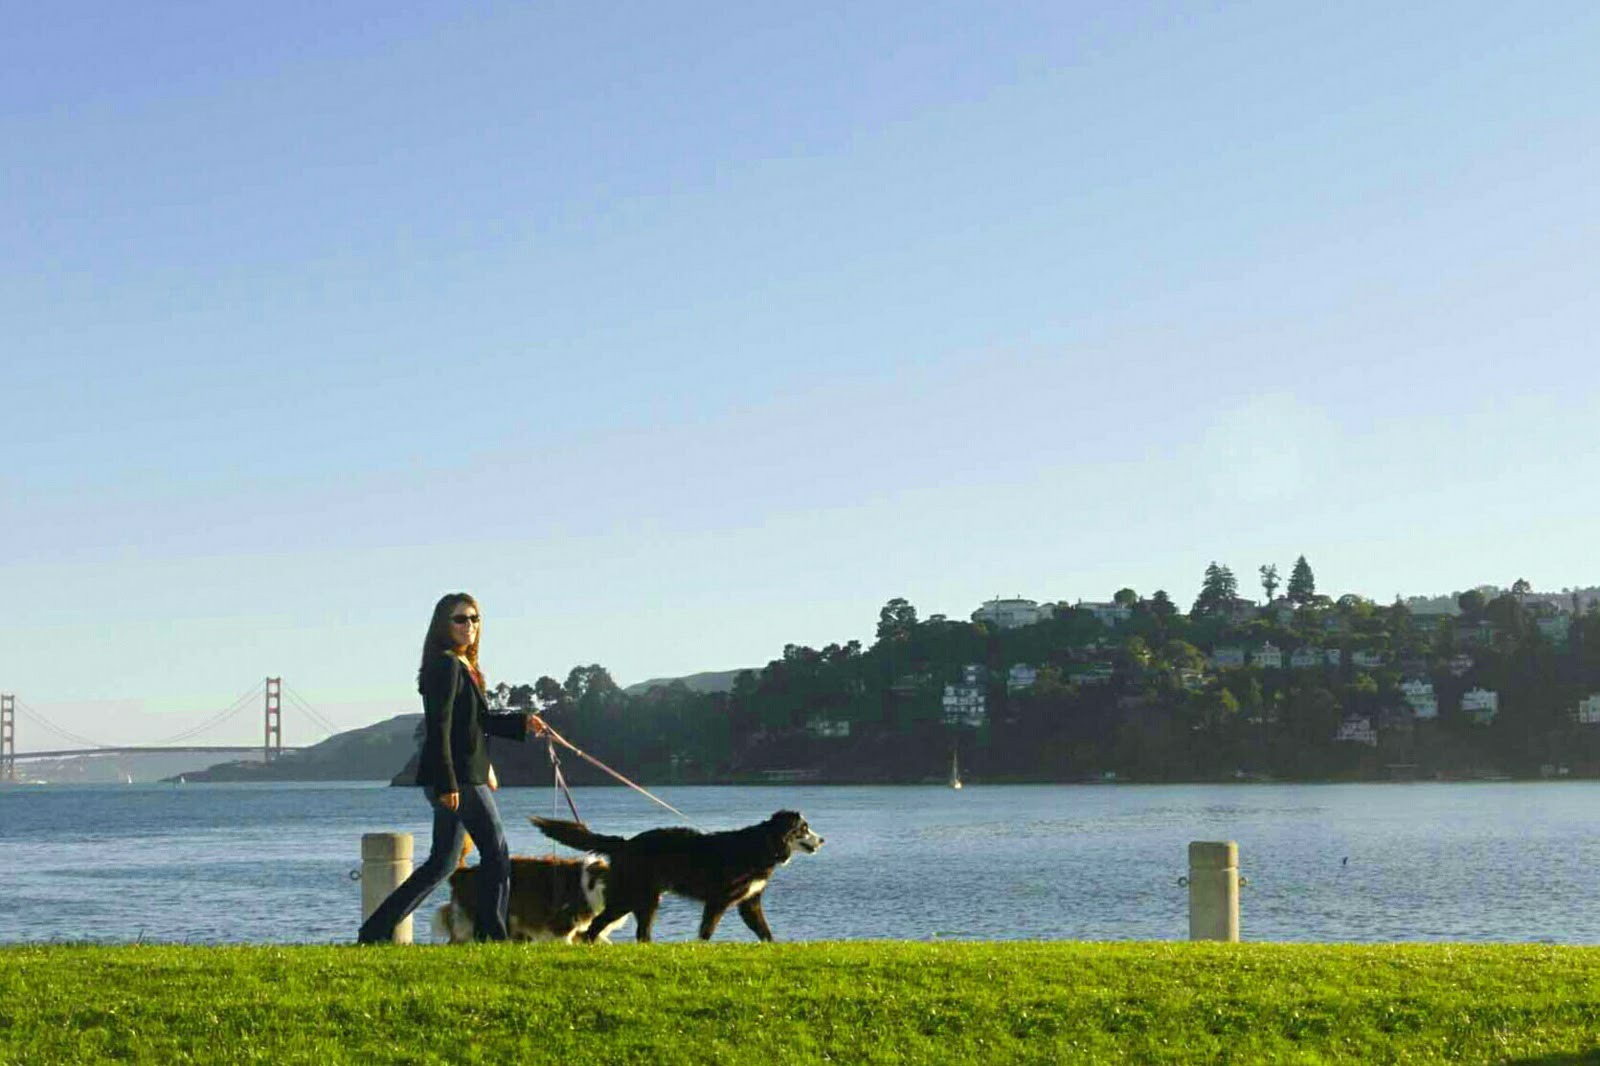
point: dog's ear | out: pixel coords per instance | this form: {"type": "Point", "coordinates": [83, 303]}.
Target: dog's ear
{"type": "Point", "coordinates": [788, 819]}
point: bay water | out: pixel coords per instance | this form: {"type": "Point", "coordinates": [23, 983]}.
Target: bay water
{"type": "Point", "coordinates": [221, 863]}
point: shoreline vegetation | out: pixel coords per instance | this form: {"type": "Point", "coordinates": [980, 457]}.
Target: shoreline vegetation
{"type": "Point", "coordinates": [883, 1001]}
{"type": "Point", "coordinates": [1485, 684]}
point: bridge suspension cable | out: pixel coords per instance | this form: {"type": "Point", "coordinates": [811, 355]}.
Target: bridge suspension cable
{"type": "Point", "coordinates": [315, 715]}
{"type": "Point", "coordinates": [238, 706]}
{"type": "Point", "coordinates": [244, 702]}
{"type": "Point", "coordinates": [39, 720]}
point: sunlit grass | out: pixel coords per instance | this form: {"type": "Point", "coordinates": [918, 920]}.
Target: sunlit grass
{"type": "Point", "coordinates": [844, 1002]}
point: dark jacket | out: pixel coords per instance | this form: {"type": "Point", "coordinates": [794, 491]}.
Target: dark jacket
{"type": "Point", "coordinates": [456, 716]}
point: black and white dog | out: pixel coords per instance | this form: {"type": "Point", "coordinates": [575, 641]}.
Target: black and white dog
{"type": "Point", "coordinates": [720, 870]}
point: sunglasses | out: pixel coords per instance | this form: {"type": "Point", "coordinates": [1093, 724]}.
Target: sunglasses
{"type": "Point", "coordinates": [463, 619]}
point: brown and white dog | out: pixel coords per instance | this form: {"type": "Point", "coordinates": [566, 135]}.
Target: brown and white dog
{"type": "Point", "coordinates": [551, 899]}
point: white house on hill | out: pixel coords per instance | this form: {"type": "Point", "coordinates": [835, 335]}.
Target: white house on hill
{"type": "Point", "coordinates": [1481, 705]}
{"type": "Point", "coordinates": [1108, 614]}
{"type": "Point", "coordinates": [967, 703]}
{"type": "Point", "coordinates": [1357, 731]}
{"type": "Point", "coordinates": [1424, 704]}
{"type": "Point", "coordinates": [1306, 657]}
{"type": "Point", "coordinates": [1014, 613]}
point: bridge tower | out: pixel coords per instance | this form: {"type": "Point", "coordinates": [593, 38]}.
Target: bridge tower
{"type": "Point", "coordinates": [273, 746]}
{"type": "Point", "coordinates": [8, 737]}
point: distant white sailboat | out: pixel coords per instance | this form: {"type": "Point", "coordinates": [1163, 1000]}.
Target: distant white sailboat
{"type": "Point", "coordinates": [955, 770]}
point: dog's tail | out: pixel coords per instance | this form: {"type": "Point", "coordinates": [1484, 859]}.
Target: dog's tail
{"type": "Point", "coordinates": [577, 835]}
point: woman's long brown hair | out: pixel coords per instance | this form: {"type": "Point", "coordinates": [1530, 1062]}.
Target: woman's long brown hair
{"type": "Point", "coordinates": [439, 640]}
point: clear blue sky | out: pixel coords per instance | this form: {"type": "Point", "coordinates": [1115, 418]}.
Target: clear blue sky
{"type": "Point", "coordinates": [677, 332]}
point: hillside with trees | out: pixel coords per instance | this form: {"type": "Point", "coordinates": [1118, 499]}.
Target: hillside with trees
{"type": "Point", "coordinates": [1302, 686]}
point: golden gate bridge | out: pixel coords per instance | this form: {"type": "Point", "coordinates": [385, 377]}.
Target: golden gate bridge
{"type": "Point", "coordinates": [270, 694]}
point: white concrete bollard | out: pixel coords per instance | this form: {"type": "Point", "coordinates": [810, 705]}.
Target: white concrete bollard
{"type": "Point", "coordinates": [385, 864]}
{"type": "Point", "coordinates": [1214, 890]}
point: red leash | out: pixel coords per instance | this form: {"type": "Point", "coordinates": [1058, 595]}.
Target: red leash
{"type": "Point", "coordinates": [580, 753]}
{"type": "Point", "coordinates": [561, 782]}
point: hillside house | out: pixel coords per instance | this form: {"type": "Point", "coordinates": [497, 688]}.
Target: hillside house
{"type": "Point", "coordinates": [1268, 657]}
{"type": "Point", "coordinates": [1013, 613]}
{"type": "Point", "coordinates": [1227, 657]}
{"type": "Point", "coordinates": [1420, 695]}
{"type": "Point", "coordinates": [828, 727]}
{"type": "Point", "coordinates": [1589, 710]}
{"type": "Point", "coordinates": [1021, 676]}
{"type": "Point", "coordinates": [1335, 656]}
{"type": "Point", "coordinates": [1306, 658]}
{"type": "Point", "coordinates": [1481, 705]}
{"type": "Point", "coordinates": [1367, 659]}
{"type": "Point", "coordinates": [1555, 628]}
{"type": "Point", "coordinates": [1357, 730]}
{"type": "Point", "coordinates": [1428, 619]}
{"type": "Point", "coordinates": [1095, 673]}
{"type": "Point", "coordinates": [966, 703]}
{"type": "Point", "coordinates": [1109, 615]}
{"type": "Point", "coordinates": [1460, 664]}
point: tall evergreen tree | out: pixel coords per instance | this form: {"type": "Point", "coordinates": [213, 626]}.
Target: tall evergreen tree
{"type": "Point", "coordinates": [1218, 592]}
{"type": "Point", "coordinates": [1302, 585]}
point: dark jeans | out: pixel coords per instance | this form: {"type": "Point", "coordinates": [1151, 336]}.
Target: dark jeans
{"type": "Point", "coordinates": [477, 815]}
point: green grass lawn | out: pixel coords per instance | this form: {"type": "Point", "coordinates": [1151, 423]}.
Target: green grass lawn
{"type": "Point", "coordinates": [840, 1002]}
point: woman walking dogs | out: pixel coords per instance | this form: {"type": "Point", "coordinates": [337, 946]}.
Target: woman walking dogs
{"type": "Point", "coordinates": [455, 774]}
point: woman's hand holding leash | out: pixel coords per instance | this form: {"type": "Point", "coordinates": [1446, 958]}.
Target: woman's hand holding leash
{"type": "Point", "coordinates": [450, 801]}
{"type": "Point", "coordinates": [536, 726]}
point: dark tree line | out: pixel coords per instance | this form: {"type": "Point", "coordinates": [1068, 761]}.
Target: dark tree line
{"type": "Point", "coordinates": [1138, 700]}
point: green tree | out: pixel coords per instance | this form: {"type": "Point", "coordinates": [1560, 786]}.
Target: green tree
{"type": "Point", "coordinates": [1181, 655]}
{"type": "Point", "coordinates": [1312, 715]}
{"type": "Point", "coordinates": [1302, 584]}
{"type": "Point", "coordinates": [1509, 619]}
{"type": "Point", "coordinates": [1520, 589]}
{"type": "Point", "coordinates": [1161, 604]}
{"type": "Point", "coordinates": [1471, 603]}
{"type": "Point", "coordinates": [1218, 708]}
{"type": "Point", "coordinates": [1218, 592]}
{"type": "Point", "coordinates": [1126, 598]}
{"type": "Point", "coordinates": [1269, 580]}
{"type": "Point", "coordinates": [591, 691]}
{"type": "Point", "coordinates": [551, 696]}
{"type": "Point", "coordinates": [896, 620]}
